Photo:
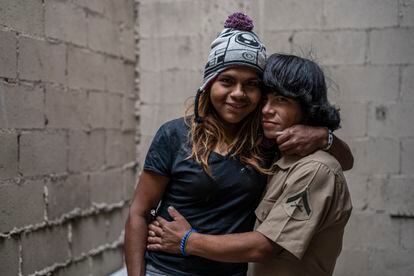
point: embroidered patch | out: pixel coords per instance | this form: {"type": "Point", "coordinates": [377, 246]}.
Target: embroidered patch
{"type": "Point", "coordinates": [298, 206]}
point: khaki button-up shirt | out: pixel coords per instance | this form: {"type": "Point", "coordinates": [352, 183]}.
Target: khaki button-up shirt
{"type": "Point", "coordinates": [304, 210]}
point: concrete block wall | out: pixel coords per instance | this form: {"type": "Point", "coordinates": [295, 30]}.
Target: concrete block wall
{"type": "Point", "coordinates": [68, 133]}
{"type": "Point", "coordinates": [367, 50]}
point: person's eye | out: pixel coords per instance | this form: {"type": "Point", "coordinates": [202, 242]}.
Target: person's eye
{"type": "Point", "coordinates": [281, 99]}
{"type": "Point", "coordinates": [253, 84]}
{"type": "Point", "coordinates": [226, 81]}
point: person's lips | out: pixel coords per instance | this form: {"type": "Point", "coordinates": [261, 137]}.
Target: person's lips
{"type": "Point", "coordinates": [268, 124]}
{"type": "Point", "coordinates": [236, 106]}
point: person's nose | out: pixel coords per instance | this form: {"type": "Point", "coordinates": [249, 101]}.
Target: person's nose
{"type": "Point", "coordinates": [266, 108]}
{"type": "Point", "coordinates": [238, 91]}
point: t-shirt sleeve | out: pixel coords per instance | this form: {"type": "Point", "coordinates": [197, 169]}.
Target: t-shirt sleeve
{"type": "Point", "coordinates": [296, 215]}
{"type": "Point", "coordinates": [158, 158]}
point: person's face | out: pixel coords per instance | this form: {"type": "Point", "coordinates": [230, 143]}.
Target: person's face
{"type": "Point", "coordinates": [279, 113]}
{"type": "Point", "coordinates": [235, 94]}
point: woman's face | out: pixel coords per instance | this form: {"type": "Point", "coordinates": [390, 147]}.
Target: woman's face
{"type": "Point", "coordinates": [235, 94]}
{"type": "Point", "coordinates": [279, 113]}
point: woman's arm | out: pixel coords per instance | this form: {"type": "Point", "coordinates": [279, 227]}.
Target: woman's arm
{"type": "Point", "coordinates": [302, 140]}
{"type": "Point", "coordinates": [243, 247]}
{"type": "Point", "coordinates": [148, 193]}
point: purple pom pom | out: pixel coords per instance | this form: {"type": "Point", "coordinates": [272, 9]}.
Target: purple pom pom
{"type": "Point", "coordinates": [239, 21]}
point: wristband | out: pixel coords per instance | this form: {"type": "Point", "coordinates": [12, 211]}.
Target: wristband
{"type": "Point", "coordinates": [184, 240]}
{"type": "Point", "coordinates": [330, 140]}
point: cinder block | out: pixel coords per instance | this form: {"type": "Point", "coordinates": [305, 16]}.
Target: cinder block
{"type": "Point", "coordinates": [378, 197]}
{"type": "Point", "coordinates": [390, 120]}
{"type": "Point", "coordinates": [86, 69]}
{"type": "Point", "coordinates": [67, 194]}
{"type": "Point", "coordinates": [128, 43]}
{"type": "Point", "coordinates": [106, 187]}
{"type": "Point", "coordinates": [75, 268]}
{"type": "Point", "coordinates": [292, 15]}
{"type": "Point", "coordinates": [116, 224]}
{"type": "Point", "coordinates": [14, 15]}
{"type": "Point", "coordinates": [354, 87]}
{"type": "Point", "coordinates": [88, 233]}
{"type": "Point", "coordinates": [66, 22]}
{"type": "Point", "coordinates": [22, 106]}
{"type": "Point", "coordinates": [42, 153]}
{"type": "Point", "coordinates": [97, 109]}
{"type": "Point", "coordinates": [113, 113]}
{"type": "Point", "coordinates": [41, 60]}
{"type": "Point", "coordinates": [354, 118]}
{"type": "Point", "coordinates": [8, 155]}
{"type": "Point", "coordinates": [9, 256]}
{"type": "Point", "coordinates": [391, 46]}
{"type": "Point", "coordinates": [352, 262]}
{"type": "Point", "coordinates": [277, 42]}
{"type": "Point", "coordinates": [400, 192]}
{"type": "Point", "coordinates": [120, 148]}
{"type": "Point", "coordinates": [407, 84]}
{"type": "Point", "coordinates": [407, 12]}
{"type": "Point", "coordinates": [13, 212]}
{"type": "Point", "coordinates": [107, 262]}
{"type": "Point", "coordinates": [171, 53]}
{"type": "Point", "coordinates": [119, 76]}
{"type": "Point", "coordinates": [407, 156]}
{"type": "Point", "coordinates": [97, 6]}
{"type": "Point", "coordinates": [363, 228]}
{"type": "Point", "coordinates": [8, 54]}
{"type": "Point", "coordinates": [360, 13]}
{"type": "Point", "coordinates": [153, 116]}
{"type": "Point", "coordinates": [66, 109]}
{"type": "Point", "coordinates": [130, 180]}
{"type": "Point", "coordinates": [375, 156]}
{"type": "Point", "coordinates": [358, 188]}
{"type": "Point", "coordinates": [86, 150]}
{"type": "Point", "coordinates": [175, 87]}
{"type": "Point", "coordinates": [43, 248]}
{"type": "Point", "coordinates": [333, 47]}
{"type": "Point", "coordinates": [129, 118]}
{"type": "Point", "coordinates": [160, 19]}
{"type": "Point", "coordinates": [103, 35]}
{"type": "Point", "coordinates": [407, 233]}
{"type": "Point", "coordinates": [392, 262]}
{"type": "Point", "coordinates": [121, 11]}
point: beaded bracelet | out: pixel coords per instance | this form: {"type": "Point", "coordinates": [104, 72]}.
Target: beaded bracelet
{"type": "Point", "coordinates": [330, 140]}
{"type": "Point", "coordinates": [184, 240]}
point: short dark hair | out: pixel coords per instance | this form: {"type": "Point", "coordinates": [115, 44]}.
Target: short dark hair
{"type": "Point", "coordinates": [303, 80]}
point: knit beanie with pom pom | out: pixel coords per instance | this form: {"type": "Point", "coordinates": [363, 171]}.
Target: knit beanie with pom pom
{"type": "Point", "coordinates": [236, 45]}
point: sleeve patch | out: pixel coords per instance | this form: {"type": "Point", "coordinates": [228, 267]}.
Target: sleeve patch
{"type": "Point", "coordinates": [298, 206]}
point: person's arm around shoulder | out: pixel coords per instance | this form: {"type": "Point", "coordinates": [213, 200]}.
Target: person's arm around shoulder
{"type": "Point", "coordinates": [303, 140]}
{"type": "Point", "coordinates": [243, 247]}
{"type": "Point", "coordinates": [148, 193]}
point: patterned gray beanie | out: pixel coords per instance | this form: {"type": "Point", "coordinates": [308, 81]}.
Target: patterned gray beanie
{"type": "Point", "coordinates": [235, 46]}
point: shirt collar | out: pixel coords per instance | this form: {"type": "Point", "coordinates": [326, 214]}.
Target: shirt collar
{"type": "Point", "coordinates": [287, 161]}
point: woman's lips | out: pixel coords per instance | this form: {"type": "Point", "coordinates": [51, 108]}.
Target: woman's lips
{"type": "Point", "coordinates": [236, 106]}
{"type": "Point", "coordinates": [268, 124]}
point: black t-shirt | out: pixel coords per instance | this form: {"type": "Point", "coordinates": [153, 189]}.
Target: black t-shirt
{"type": "Point", "coordinates": [221, 204]}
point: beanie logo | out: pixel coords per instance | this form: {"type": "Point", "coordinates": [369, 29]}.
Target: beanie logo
{"type": "Point", "coordinates": [247, 40]}
{"type": "Point", "coordinates": [249, 56]}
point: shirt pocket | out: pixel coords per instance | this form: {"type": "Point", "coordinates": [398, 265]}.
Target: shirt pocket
{"type": "Point", "coordinates": [265, 206]}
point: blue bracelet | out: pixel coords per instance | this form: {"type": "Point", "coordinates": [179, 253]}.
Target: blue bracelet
{"type": "Point", "coordinates": [184, 239]}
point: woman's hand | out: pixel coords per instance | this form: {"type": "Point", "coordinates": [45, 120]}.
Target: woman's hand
{"type": "Point", "coordinates": [166, 236]}
{"type": "Point", "coordinates": [301, 140]}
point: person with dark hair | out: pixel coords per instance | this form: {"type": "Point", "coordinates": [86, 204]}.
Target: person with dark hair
{"type": "Point", "coordinates": [301, 218]}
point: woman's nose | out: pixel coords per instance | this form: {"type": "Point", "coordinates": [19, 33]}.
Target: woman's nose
{"type": "Point", "coordinates": [238, 91]}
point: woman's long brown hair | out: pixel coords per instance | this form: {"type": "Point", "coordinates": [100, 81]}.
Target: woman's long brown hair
{"type": "Point", "coordinates": [205, 136]}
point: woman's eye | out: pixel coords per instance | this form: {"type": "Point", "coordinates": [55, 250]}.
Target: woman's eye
{"type": "Point", "coordinates": [281, 99]}
{"type": "Point", "coordinates": [253, 84]}
{"type": "Point", "coordinates": [226, 81]}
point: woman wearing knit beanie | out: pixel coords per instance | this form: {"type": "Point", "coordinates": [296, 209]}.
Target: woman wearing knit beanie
{"type": "Point", "coordinates": [208, 165]}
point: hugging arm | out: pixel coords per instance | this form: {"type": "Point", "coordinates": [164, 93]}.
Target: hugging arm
{"type": "Point", "coordinates": [148, 193]}
{"type": "Point", "coordinates": [243, 247]}
{"type": "Point", "coordinates": [302, 140]}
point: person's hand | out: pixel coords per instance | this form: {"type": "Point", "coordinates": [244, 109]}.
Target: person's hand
{"type": "Point", "coordinates": [166, 236]}
{"type": "Point", "coordinates": [301, 140]}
